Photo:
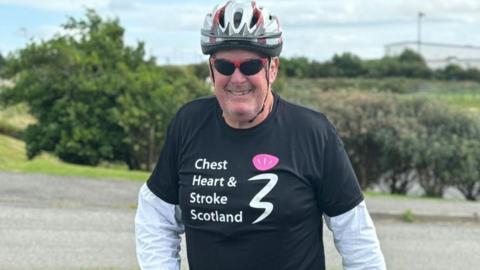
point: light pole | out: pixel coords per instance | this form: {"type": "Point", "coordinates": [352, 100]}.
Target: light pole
{"type": "Point", "coordinates": [419, 31]}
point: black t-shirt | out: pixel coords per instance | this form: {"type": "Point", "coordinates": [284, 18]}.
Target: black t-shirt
{"type": "Point", "coordinates": [253, 198]}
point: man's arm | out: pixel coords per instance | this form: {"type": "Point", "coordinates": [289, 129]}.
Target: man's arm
{"type": "Point", "coordinates": [356, 240]}
{"type": "Point", "coordinates": [158, 226]}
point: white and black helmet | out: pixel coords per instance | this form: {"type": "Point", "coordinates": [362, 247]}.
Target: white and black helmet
{"type": "Point", "coordinates": [241, 25]}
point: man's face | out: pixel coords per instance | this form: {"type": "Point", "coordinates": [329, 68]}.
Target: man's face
{"type": "Point", "coordinates": [241, 96]}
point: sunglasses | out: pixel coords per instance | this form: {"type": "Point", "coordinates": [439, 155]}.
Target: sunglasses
{"type": "Point", "coordinates": [247, 68]}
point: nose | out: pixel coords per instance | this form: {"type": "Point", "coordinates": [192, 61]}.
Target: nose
{"type": "Point", "coordinates": [237, 77]}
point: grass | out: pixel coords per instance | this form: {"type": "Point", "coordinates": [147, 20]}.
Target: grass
{"type": "Point", "coordinates": [466, 100]}
{"type": "Point", "coordinates": [14, 119]}
{"type": "Point", "coordinates": [13, 159]}
{"type": "Point", "coordinates": [16, 116]}
{"type": "Point", "coordinates": [464, 95]}
{"type": "Point", "coordinates": [371, 194]}
{"type": "Point", "coordinates": [408, 216]}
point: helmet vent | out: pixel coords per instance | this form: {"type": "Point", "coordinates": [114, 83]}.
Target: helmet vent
{"type": "Point", "coordinates": [221, 19]}
{"type": "Point", "coordinates": [237, 18]}
{"type": "Point", "coordinates": [254, 19]}
{"type": "Point", "coordinates": [241, 24]}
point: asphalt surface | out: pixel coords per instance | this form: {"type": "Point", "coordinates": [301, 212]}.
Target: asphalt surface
{"type": "Point", "coordinates": [49, 222]}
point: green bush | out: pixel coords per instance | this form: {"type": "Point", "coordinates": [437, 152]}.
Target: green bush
{"type": "Point", "coordinates": [444, 157]}
{"type": "Point", "coordinates": [358, 116]}
{"type": "Point", "coordinates": [200, 70]}
{"type": "Point", "coordinates": [380, 142]}
{"type": "Point", "coordinates": [154, 95]}
{"type": "Point", "coordinates": [295, 67]}
{"type": "Point", "coordinates": [466, 175]}
{"type": "Point", "coordinates": [2, 63]}
{"type": "Point", "coordinates": [408, 216]}
{"type": "Point", "coordinates": [403, 140]}
{"type": "Point", "coordinates": [96, 98]}
{"type": "Point", "coordinates": [408, 64]}
{"type": "Point", "coordinates": [10, 130]}
{"type": "Point", "coordinates": [346, 65]}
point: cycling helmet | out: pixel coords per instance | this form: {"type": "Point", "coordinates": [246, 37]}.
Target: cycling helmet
{"type": "Point", "coordinates": [241, 25]}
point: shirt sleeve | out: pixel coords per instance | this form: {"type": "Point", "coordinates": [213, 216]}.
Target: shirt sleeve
{"type": "Point", "coordinates": [339, 190]}
{"type": "Point", "coordinates": [158, 226]}
{"type": "Point", "coordinates": [163, 181]}
{"type": "Point", "coordinates": [356, 240]}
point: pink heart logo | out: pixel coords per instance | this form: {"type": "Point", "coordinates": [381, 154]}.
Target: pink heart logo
{"type": "Point", "coordinates": [263, 162]}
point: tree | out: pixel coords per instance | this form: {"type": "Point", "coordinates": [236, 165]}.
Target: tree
{"type": "Point", "coordinates": [2, 63]}
{"type": "Point", "coordinates": [408, 64]}
{"type": "Point", "coordinates": [410, 56]}
{"type": "Point", "coordinates": [94, 97]}
{"type": "Point", "coordinates": [347, 65]}
{"type": "Point", "coordinates": [452, 72]}
{"type": "Point", "coordinates": [472, 74]}
{"type": "Point", "coordinates": [295, 67]}
{"type": "Point", "coordinates": [144, 112]}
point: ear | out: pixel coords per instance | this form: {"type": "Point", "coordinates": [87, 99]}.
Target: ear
{"type": "Point", "coordinates": [274, 65]}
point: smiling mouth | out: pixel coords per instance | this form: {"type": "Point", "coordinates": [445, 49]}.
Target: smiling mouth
{"type": "Point", "coordinates": [238, 92]}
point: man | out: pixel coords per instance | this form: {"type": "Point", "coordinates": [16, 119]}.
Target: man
{"type": "Point", "coordinates": [248, 175]}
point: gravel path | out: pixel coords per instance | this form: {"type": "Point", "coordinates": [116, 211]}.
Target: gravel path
{"type": "Point", "coordinates": [426, 209]}
{"type": "Point", "coordinates": [51, 222]}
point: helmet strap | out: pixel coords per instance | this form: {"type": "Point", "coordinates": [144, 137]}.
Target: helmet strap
{"type": "Point", "coordinates": [267, 75]}
{"type": "Point", "coordinates": [211, 69]}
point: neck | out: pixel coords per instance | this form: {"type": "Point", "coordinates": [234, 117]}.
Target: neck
{"type": "Point", "coordinates": [243, 124]}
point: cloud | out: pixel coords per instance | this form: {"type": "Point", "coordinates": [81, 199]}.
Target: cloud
{"type": "Point", "coordinates": [58, 5]}
{"type": "Point", "coordinates": [188, 15]}
{"type": "Point", "coordinates": [161, 16]}
{"type": "Point", "coordinates": [317, 29]}
{"type": "Point", "coordinates": [299, 13]}
{"type": "Point", "coordinates": [330, 13]}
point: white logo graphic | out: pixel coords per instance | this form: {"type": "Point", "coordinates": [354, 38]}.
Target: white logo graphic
{"type": "Point", "coordinates": [255, 202]}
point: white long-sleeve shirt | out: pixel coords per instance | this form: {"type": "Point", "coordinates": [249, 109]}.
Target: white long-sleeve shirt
{"type": "Point", "coordinates": [158, 226]}
{"type": "Point", "coordinates": [356, 240]}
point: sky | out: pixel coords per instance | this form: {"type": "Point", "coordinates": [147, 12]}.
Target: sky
{"type": "Point", "coordinates": [317, 29]}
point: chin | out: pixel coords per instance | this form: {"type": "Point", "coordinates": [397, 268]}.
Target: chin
{"type": "Point", "coordinates": [241, 113]}
{"type": "Point", "coordinates": [242, 104]}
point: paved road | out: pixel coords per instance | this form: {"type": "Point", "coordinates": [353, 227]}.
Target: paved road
{"type": "Point", "coordinates": [73, 223]}
{"type": "Point", "coordinates": [66, 223]}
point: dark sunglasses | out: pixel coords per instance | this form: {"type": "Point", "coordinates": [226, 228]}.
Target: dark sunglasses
{"type": "Point", "coordinates": [248, 67]}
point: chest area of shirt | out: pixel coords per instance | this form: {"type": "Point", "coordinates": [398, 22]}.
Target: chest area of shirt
{"type": "Point", "coordinates": [229, 185]}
